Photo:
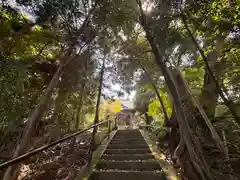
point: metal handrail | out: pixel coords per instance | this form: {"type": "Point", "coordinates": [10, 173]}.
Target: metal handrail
{"type": "Point", "coordinates": [35, 151]}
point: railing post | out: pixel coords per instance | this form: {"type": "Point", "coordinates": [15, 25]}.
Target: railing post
{"type": "Point", "coordinates": [115, 123]}
{"type": "Point", "coordinates": [92, 145]}
{"type": "Point", "coordinates": [109, 128]}
{"type": "Point", "coordinates": [90, 152]}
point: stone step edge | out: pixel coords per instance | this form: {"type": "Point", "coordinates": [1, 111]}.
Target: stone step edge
{"type": "Point", "coordinates": [147, 154]}
{"type": "Point", "coordinates": [127, 149]}
{"type": "Point", "coordinates": [134, 161]}
{"type": "Point", "coordinates": [126, 171]}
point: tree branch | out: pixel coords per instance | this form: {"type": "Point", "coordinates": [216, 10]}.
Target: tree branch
{"type": "Point", "coordinates": [227, 102]}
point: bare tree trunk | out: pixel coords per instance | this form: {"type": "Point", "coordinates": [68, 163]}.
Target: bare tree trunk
{"type": "Point", "coordinates": [214, 133]}
{"type": "Point", "coordinates": [227, 102]}
{"type": "Point", "coordinates": [157, 93]}
{"type": "Point", "coordinates": [82, 94]}
{"type": "Point", "coordinates": [62, 95]}
{"type": "Point", "coordinates": [149, 119]}
{"type": "Point", "coordinates": [96, 119]}
{"type": "Point", "coordinates": [208, 97]}
{"type": "Point", "coordinates": [77, 118]}
{"type": "Point", "coordinates": [192, 145]}
{"type": "Point", "coordinates": [79, 108]}
{"type": "Point", "coordinates": [34, 118]}
{"type": "Point", "coordinates": [32, 124]}
{"type": "Point", "coordinates": [209, 93]}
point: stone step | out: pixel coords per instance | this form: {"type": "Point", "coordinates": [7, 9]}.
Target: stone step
{"type": "Point", "coordinates": [131, 175]}
{"type": "Point", "coordinates": [128, 143]}
{"type": "Point", "coordinates": [132, 157]}
{"type": "Point", "coordinates": [128, 140]}
{"type": "Point", "coordinates": [127, 146]}
{"type": "Point", "coordinates": [149, 165]}
{"type": "Point", "coordinates": [127, 131]}
{"type": "Point", "coordinates": [126, 137]}
{"type": "Point", "coordinates": [124, 133]}
{"type": "Point", "coordinates": [128, 151]}
{"type": "Point", "coordinates": [128, 134]}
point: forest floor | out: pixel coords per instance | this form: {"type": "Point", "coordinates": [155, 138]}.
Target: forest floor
{"type": "Point", "coordinates": [61, 162]}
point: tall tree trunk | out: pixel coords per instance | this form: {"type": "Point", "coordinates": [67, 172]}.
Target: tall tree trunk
{"type": "Point", "coordinates": [148, 118]}
{"type": "Point", "coordinates": [194, 103]}
{"type": "Point", "coordinates": [78, 113]}
{"type": "Point", "coordinates": [208, 97]}
{"type": "Point", "coordinates": [34, 118]}
{"type": "Point", "coordinates": [77, 118]}
{"type": "Point", "coordinates": [62, 95]}
{"type": "Point", "coordinates": [96, 118]}
{"type": "Point", "coordinates": [184, 97]}
{"type": "Point", "coordinates": [227, 102]}
{"type": "Point", "coordinates": [32, 123]}
{"type": "Point", "coordinates": [209, 94]}
{"type": "Point", "coordinates": [79, 108]}
{"type": "Point", "coordinates": [197, 161]}
{"type": "Point", "coordinates": [157, 93]}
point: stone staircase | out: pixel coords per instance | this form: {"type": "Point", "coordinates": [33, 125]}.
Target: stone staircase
{"type": "Point", "coordinates": [127, 157]}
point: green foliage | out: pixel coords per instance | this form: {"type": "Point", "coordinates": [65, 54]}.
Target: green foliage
{"type": "Point", "coordinates": [20, 90]}
{"type": "Point", "coordinates": [32, 45]}
{"type": "Point", "coordinates": [154, 108]}
{"type": "Point", "coordinates": [29, 56]}
{"type": "Point", "coordinates": [195, 78]}
{"type": "Point", "coordinates": [120, 15]}
{"type": "Point", "coordinates": [113, 106]}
